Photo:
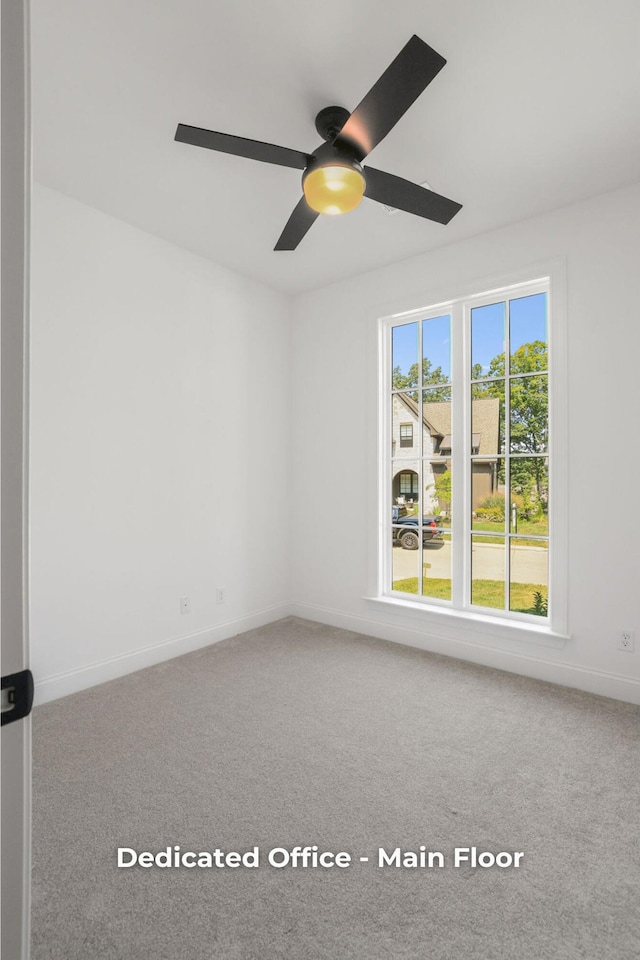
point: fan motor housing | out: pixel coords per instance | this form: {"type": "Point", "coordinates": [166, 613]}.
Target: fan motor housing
{"type": "Point", "coordinates": [328, 154]}
{"type": "Point", "coordinates": [330, 121]}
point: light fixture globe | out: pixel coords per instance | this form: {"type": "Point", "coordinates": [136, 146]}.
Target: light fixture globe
{"type": "Point", "coordinates": [334, 186]}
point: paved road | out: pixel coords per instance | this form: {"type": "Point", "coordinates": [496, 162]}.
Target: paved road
{"type": "Point", "coordinates": [528, 565]}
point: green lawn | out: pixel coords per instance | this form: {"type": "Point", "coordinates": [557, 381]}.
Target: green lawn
{"type": "Point", "coordinates": [486, 593]}
{"type": "Point", "coordinates": [538, 528]}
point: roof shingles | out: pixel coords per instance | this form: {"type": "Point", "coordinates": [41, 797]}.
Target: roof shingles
{"type": "Point", "coordinates": [485, 415]}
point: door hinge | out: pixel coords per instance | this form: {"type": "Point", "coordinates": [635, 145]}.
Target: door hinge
{"type": "Point", "coordinates": [17, 696]}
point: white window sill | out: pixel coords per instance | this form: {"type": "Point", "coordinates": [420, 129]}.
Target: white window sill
{"type": "Point", "coordinates": [472, 626]}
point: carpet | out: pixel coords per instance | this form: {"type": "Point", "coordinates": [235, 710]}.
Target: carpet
{"type": "Point", "coordinates": [298, 735]}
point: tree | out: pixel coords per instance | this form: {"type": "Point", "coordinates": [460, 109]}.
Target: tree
{"type": "Point", "coordinates": [529, 406]}
{"type": "Point", "coordinates": [529, 399]}
{"type": "Point", "coordinates": [430, 378]}
{"type": "Point", "coordinates": [442, 484]}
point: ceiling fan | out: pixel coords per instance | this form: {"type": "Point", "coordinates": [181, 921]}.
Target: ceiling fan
{"type": "Point", "coordinates": [334, 180]}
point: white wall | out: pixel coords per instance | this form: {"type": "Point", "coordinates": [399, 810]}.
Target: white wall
{"type": "Point", "coordinates": [170, 408]}
{"type": "Point", "coordinates": [334, 345]}
{"type": "Point", "coordinates": [159, 448]}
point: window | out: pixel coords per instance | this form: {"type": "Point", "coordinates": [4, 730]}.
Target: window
{"type": "Point", "coordinates": [406, 434]}
{"type": "Point", "coordinates": [469, 382]}
{"type": "Point", "coordinates": [408, 484]}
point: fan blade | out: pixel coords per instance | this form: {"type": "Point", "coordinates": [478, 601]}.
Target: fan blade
{"type": "Point", "coordinates": [391, 96]}
{"type": "Point", "coordinates": [300, 221]}
{"type": "Point", "coordinates": [240, 147]}
{"type": "Point", "coordinates": [410, 197]}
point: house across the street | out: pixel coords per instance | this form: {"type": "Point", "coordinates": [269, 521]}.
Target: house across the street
{"type": "Point", "coordinates": [436, 449]}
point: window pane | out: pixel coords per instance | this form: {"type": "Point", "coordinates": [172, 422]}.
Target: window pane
{"type": "Point", "coordinates": [530, 494]}
{"type": "Point", "coordinates": [405, 356]}
{"type": "Point", "coordinates": [487, 496]}
{"type": "Point", "coordinates": [529, 587]}
{"type": "Point", "coordinates": [436, 350]}
{"type": "Point", "coordinates": [405, 486]}
{"type": "Point", "coordinates": [436, 570]}
{"type": "Point", "coordinates": [488, 571]}
{"type": "Point", "coordinates": [436, 556]}
{"type": "Point", "coordinates": [405, 558]}
{"type": "Point", "coordinates": [436, 412]}
{"type": "Point", "coordinates": [487, 340]}
{"type": "Point", "coordinates": [436, 476]}
{"type": "Point", "coordinates": [529, 414]}
{"type": "Point", "coordinates": [487, 418]}
{"type": "Point", "coordinates": [528, 332]}
{"type": "Point", "coordinates": [404, 414]}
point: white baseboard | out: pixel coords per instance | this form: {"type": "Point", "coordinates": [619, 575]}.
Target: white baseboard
{"type": "Point", "coordinates": [539, 668]}
{"type": "Point", "coordinates": [62, 684]}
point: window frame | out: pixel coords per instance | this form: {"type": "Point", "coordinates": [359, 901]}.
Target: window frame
{"type": "Point", "coordinates": [551, 278]}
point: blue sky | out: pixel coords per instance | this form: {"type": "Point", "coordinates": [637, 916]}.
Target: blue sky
{"type": "Point", "coordinates": [436, 344]}
{"type": "Point", "coordinates": [527, 318]}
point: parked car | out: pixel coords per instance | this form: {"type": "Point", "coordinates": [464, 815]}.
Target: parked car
{"type": "Point", "coordinates": [405, 531]}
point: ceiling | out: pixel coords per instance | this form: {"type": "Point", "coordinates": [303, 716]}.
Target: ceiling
{"type": "Point", "coordinates": [538, 106]}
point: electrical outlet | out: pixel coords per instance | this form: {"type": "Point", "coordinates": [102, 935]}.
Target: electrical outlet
{"type": "Point", "coordinates": [185, 605]}
{"type": "Point", "coordinates": [220, 595]}
{"type": "Point", "coordinates": [626, 641]}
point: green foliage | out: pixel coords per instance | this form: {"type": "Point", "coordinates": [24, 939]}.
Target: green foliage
{"type": "Point", "coordinates": [430, 378]}
{"type": "Point", "coordinates": [529, 395]}
{"type": "Point", "coordinates": [540, 605]}
{"type": "Point", "coordinates": [492, 507]}
{"type": "Point", "coordinates": [529, 426]}
{"type": "Point", "coordinates": [529, 478]}
{"type": "Point", "coordinates": [442, 485]}
{"type": "Point", "coordinates": [528, 507]}
{"type": "Point", "coordinates": [486, 513]}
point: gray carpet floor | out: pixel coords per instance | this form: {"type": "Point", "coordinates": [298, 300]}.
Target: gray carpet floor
{"type": "Point", "coordinates": [301, 734]}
